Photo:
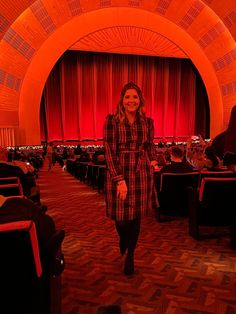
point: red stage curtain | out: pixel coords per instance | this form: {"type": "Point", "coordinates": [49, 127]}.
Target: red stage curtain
{"type": "Point", "coordinates": [84, 87]}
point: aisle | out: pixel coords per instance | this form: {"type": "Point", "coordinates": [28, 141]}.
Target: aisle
{"type": "Point", "coordinates": [79, 210]}
{"type": "Point", "coordinates": [174, 273]}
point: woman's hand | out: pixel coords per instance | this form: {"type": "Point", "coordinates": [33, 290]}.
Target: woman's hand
{"type": "Point", "coordinates": [122, 190]}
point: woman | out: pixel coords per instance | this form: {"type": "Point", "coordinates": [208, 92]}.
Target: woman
{"type": "Point", "coordinates": [130, 157]}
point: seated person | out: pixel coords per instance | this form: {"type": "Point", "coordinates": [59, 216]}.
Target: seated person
{"type": "Point", "coordinates": [177, 165]}
{"type": "Point", "coordinates": [99, 157]}
{"type": "Point", "coordinates": [195, 153]}
{"type": "Point", "coordinates": [84, 156]}
{"type": "Point", "coordinates": [77, 151]}
{"type": "Point", "coordinates": [161, 144]}
{"type": "Point", "coordinates": [161, 159]}
{"type": "Point", "coordinates": [100, 160]}
{"type": "Point", "coordinates": [27, 180]}
{"type": "Point", "coordinates": [195, 156]}
{"type": "Point", "coordinates": [167, 155]}
{"type": "Point", "coordinates": [212, 162]}
{"type": "Point", "coordinates": [23, 164]}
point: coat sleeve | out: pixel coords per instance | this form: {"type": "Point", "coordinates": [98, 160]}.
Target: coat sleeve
{"type": "Point", "coordinates": [151, 147]}
{"type": "Point", "coordinates": [110, 147]}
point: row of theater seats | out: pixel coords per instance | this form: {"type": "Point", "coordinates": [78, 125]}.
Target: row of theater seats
{"type": "Point", "coordinates": [87, 171]}
{"type": "Point", "coordinates": [206, 198]}
{"type": "Point", "coordinates": [30, 272]}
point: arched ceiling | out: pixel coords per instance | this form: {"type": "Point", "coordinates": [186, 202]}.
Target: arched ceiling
{"type": "Point", "coordinates": [10, 10]}
{"type": "Point", "coordinates": [130, 40]}
{"type": "Point", "coordinates": [36, 33]}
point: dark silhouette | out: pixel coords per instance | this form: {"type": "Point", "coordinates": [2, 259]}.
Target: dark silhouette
{"type": "Point", "coordinates": [226, 140]}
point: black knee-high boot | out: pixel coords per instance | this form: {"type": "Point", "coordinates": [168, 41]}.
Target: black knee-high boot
{"type": "Point", "coordinates": [133, 230]}
{"type": "Point", "coordinates": [132, 239]}
{"type": "Point", "coordinates": [121, 228]}
{"type": "Point", "coordinates": [129, 234]}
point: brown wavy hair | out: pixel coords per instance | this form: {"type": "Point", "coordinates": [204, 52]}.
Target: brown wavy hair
{"type": "Point", "coordinates": [120, 110]}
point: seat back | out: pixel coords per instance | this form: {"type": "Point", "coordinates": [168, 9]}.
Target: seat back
{"type": "Point", "coordinates": [217, 174]}
{"type": "Point", "coordinates": [172, 193]}
{"type": "Point", "coordinates": [217, 200]}
{"type": "Point", "coordinates": [23, 232]}
{"type": "Point", "coordinates": [9, 180]}
{"type": "Point", "coordinates": [213, 204]}
{"type": "Point", "coordinates": [11, 189]}
{"type": "Point", "coordinates": [22, 283]}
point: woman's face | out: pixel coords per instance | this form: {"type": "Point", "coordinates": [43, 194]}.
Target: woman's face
{"type": "Point", "coordinates": [131, 101]}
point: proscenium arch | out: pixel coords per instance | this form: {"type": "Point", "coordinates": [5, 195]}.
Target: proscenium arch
{"type": "Point", "coordinates": [87, 23]}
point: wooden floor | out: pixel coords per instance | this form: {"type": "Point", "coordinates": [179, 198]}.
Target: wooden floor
{"type": "Point", "coordinates": [174, 273]}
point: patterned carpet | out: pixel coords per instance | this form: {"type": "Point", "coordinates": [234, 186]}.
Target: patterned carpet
{"type": "Point", "coordinates": [174, 273]}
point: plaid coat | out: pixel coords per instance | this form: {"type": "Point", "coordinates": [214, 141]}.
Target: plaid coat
{"type": "Point", "coordinates": [128, 151]}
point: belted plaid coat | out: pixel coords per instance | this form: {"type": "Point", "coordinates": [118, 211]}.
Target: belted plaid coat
{"type": "Point", "coordinates": [128, 151]}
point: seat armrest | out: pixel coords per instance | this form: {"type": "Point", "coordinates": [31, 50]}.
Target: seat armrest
{"type": "Point", "coordinates": [55, 242]}
{"type": "Point", "coordinates": [55, 257]}
{"type": "Point", "coordinates": [193, 206]}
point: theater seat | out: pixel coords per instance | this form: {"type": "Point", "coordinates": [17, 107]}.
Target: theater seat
{"type": "Point", "coordinates": [13, 189]}
{"type": "Point", "coordinates": [26, 281]}
{"type": "Point", "coordinates": [217, 174]}
{"type": "Point", "coordinates": [10, 186]}
{"type": "Point", "coordinates": [172, 193]}
{"type": "Point", "coordinates": [9, 180]}
{"type": "Point", "coordinates": [213, 204]}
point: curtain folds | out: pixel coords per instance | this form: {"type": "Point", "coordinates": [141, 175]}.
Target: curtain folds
{"type": "Point", "coordinates": [7, 137]}
{"type": "Point", "coordinates": [84, 87]}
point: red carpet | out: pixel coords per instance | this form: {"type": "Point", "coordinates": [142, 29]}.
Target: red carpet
{"type": "Point", "coordinates": [174, 273]}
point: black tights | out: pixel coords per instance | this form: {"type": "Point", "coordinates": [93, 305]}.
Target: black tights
{"type": "Point", "coordinates": [129, 233]}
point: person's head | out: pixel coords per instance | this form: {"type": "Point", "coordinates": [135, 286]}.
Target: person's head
{"type": "Point", "coordinates": [131, 101]}
{"type": "Point", "coordinates": [176, 154]}
{"type": "Point", "coordinates": [198, 153]}
{"type": "Point", "coordinates": [211, 155]}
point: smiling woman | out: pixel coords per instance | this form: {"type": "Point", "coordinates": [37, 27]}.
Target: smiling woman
{"type": "Point", "coordinates": [130, 156]}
